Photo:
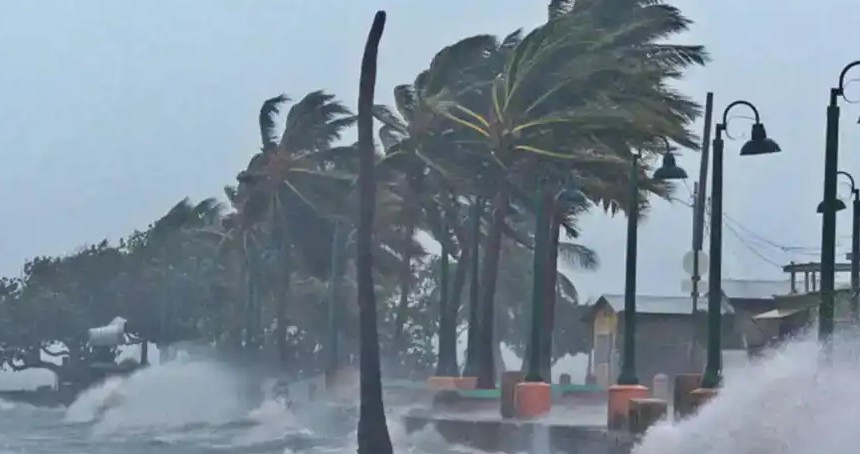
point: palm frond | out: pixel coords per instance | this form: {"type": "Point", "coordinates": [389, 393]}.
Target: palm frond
{"type": "Point", "coordinates": [271, 107]}
{"type": "Point", "coordinates": [558, 8]}
{"type": "Point", "coordinates": [577, 256]}
{"type": "Point", "coordinates": [314, 123]}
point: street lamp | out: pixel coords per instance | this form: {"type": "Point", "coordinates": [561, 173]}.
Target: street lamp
{"type": "Point", "coordinates": [855, 241]}
{"type": "Point", "coordinates": [829, 208]}
{"type": "Point", "coordinates": [758, 144]}
{"type": "Point", "coordinates": [627, 387]}
{"type": "Point", "coordinates": [669, 170]}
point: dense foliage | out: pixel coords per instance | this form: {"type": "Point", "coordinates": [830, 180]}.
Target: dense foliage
{"type": "Point", "coordinates": [270, 272]}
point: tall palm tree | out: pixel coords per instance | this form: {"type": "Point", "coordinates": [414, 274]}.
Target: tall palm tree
{"type": "Point", "coordinates": [295, 179]}
{"type": "Point", "coordinates": [373, 437]}
{"type": "Point", "coordinates": [577, 93]}
{"type": "Point", "coordinates": [419, 144]}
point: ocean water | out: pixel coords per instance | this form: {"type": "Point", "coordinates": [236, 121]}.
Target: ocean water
{"type": "Point", "coordinates": [193, 407]}
{"type": "Point", "coordinates": [791, 402]}
{"type": "Point", "coordinates": [794, 401]}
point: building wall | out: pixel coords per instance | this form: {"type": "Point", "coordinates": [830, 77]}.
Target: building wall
{"type": "Point", "coordinates": [664, 344]}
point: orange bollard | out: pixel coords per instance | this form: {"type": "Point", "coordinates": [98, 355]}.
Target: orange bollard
{"type": "Point", "coordinates": [442, 383]}
{"type": "Point", "coordinates": [619, 404]}
{"type": "Point", "coordinates": [466, 382]}
{"type": "Point", "coordinates": [532, 399]}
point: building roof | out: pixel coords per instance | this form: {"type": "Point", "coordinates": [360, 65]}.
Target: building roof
{"type": "Point", "coordinates": [755, 289]}
{"type": "Point", "coordinates": [656, 305]}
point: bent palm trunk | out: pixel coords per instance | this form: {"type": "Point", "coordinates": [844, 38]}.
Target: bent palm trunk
{"type": "Point", "coordinates": [549, 293]}
{"type": "Point", "coordinates": [372, 434]}
{"type": "Point", "coordinates": [470, 369]}
{"type": "Point", "coordinates": [446, 365]}
{"type": "Point", "coordinates": [489, 275]}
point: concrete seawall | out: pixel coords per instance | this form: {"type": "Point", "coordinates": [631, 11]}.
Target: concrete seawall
{"type": "Point", "coordinates": [511, 436]}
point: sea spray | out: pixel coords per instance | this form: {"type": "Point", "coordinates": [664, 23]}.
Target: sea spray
{"type": "Point", "coordinates": [786, 403]}
{"type": "Point", "coordinates": [166, 396]}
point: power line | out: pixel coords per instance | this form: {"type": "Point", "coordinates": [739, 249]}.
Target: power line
{"type": "Point", "coordinates": [750, 239]}
{"type": "Point", "coordinates": [755, 251]}
{"type": "Point", "coordinates": [767, 241]}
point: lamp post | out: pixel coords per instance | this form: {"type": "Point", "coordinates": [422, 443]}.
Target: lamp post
{"type": "Point", "coordinates": [829, 208]}
{"type": "Point", "coordinates": [627, 387]}
{"type": "Point", "coordinates": [758, 144]}
{"type": "Point", "coordinates": [668, 171]}
{"type": "Point", "coordinates": [855, 241]}
{"type": "Point", "coordinates": [855, 250]}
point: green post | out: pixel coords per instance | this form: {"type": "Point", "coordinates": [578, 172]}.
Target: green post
{"type": "Point", "coordinates": [538, 284]}
{"type": "Point", "coordinates": [628, 358]}
{"type": "Point", "coordinates": [828, 222]}
{"type": "Point", "coordinates": [713, 368]}
{"type": "Point", "coordinates": [855, 253]}
{"type": "Point", "coordinates": [758, 144]}
{"type": "Point", "coordinates": [828, 213]}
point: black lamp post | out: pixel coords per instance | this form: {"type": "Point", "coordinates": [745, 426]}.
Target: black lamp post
{"type": "Point", "coordinates": [829, 208]}
{"type": "Point", "coordinates": [758, 144]}
{"type": "Point", "coordinates": [668, 171]}
{"type": "Point", "coordinates": [855, 241]}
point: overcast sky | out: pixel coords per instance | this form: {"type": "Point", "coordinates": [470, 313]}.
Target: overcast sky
{"type": "Point", "coordinates": [110, 112]}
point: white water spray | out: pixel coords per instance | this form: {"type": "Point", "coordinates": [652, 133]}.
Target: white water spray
{"type": "Point", "coordinates": [161, 397]}
{"type": "Point", "coordinates": [788, 403]}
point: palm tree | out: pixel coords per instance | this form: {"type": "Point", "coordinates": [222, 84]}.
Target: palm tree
{"type": "Point", "coordinates": [373, 437]}
{"type": "Point", "coordinates": [418, 144]}
{"type": "Point", "coordinates": [577, 93]}
{"type": "Point", "coordinates": [295, 181]}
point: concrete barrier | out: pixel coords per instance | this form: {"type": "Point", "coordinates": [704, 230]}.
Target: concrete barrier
{"type": "Point", "coordinates": [510, 379]}
{"type": "Point", "coordinates": [512, 437]}
{"type": "Point", "coordinates": [645, 412]}
{"type": "Point", "coordinates": [682, 401]}
{"type": "Point", "coordinates": [619, 404]}
{"type": "Point", "coordinates": [700, 397]}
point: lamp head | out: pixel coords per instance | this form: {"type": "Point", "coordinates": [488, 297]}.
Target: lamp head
{"type": "Point", "coordinates": [759, 143]}
{"type": "Point", "coordinates": [669, 170]}
{"type": "Point", "coordinates": [840, 205]}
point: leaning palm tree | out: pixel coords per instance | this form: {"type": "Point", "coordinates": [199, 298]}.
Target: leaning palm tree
{"type": "Point", "coordinates": [294, 179]}
{"type": "Point", "coordinates": [408, 132]}
{"type": "Point", "coordinates": [416, 138]}
{"type": "Point", "coordinates": [373, 437]}
{"type": "Point", "coordinates": [577, 93]}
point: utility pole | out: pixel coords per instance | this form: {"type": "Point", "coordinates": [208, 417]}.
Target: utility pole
{"type": "Point", "coordinates": [699, 192]}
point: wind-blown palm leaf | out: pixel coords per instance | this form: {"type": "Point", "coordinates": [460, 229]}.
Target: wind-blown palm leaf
{"type": "Point", "coordinates": [567, 289]}
{"type": "Point", "coordinates": [271, 108]}
{"type": "Point", "coordinates": [578, 256]}
{"type": "Point", "coordinates": [314, 123]}
{"type": "Point", "coordinates": [559, 8]}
